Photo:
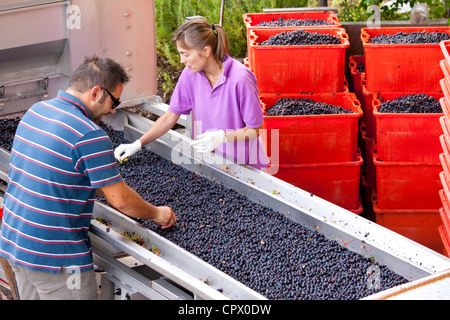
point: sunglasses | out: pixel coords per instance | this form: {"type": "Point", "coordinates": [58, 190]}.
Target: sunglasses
{"type": "Point", "coordinates": [116, 102]}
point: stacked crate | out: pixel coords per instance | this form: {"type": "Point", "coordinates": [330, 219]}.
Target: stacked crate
{"type": "Point", "coordinates": [444, 193]}
{"type": "Point", "coordinates": [358, 72]}
{"type": "Point", "coordinates": [405, 146]}
{"type": "Point", "coordinates": [317, 153]}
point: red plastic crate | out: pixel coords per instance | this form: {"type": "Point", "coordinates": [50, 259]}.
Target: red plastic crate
{"type": "Point", "coordinates": [1, 213]}
{"type": "Point", "coordinates": [253, 19]}
{"type": "Point", "coordinates": [445, 45]}
{"type": "Point", "coordinates": [445, 129]}
{"type": "Point", "coordinates": [302, 68]}
{"type": "Point", "coordinates": [336, 182]}
{"type": "Point", "coordinates": [445, 68]}
{"type": "Point", "coordinates": [445, 238]}
{"type": "Point", "coordinates": [313, 138]}
{"type": "Point", "coordinates": [445, 87]}
{"type": "Point", "coordinates": [407, 136]}
{"type": "Point", "coordinates": [408, 185]}
{"type": "Point", "coordinates": [445, 148]}
{"type": "Point", "coordinates": [445, 108]}
{"type": "Point", "coordinates": [402, 67]}
{"type": "Point", "coordinates": [420, 226]}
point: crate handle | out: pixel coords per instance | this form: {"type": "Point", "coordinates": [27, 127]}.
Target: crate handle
{"type": "Point", "coordinates": [252, 37]}
{"type": "Point", "coordinates": [247, 20]}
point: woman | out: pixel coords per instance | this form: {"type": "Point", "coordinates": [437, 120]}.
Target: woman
{"type": "Point", "coordinates": [220, 91]}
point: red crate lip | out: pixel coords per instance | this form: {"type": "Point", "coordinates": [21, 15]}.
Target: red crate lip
{"type": "Point", "coordinates": [252, 19]}
{"type": "Point", "coordinates": [314, 138]}
{"type": "Point", "coordinates": [445, 211]}
{"type": "Point", "coordinates": [368, 33]}
{"type": "Point", "coordinates": [445, 237]}
{"type": "Point", "coordinates": [444, 48]}
{"type": "Point", "coordinates": [1, 213]}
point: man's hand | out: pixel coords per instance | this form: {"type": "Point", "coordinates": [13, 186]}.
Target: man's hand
{"type": "Point", "coordinates": [165, 217]}
{"type": "Point", "coordinates": [209, 140]}
{"type": "Point", "coordinates": [126, 150]}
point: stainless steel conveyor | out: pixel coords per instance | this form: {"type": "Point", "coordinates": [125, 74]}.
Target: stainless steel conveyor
{"type": "Point", "coordinates": [177, 274]}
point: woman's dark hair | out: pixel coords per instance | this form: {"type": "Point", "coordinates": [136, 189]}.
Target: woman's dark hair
{"type": "Point", "coordinates": [96, 71]}
{"type": "Point", "coordinates": [198, 33]}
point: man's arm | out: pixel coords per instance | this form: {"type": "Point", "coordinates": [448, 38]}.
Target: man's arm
{"type": "Point", "coordinates": [126, 200]}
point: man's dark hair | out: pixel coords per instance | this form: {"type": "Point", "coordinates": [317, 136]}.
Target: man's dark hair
{"type": "Point", "coordinates": [96, 71]}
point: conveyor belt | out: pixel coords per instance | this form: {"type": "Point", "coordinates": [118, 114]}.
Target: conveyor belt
{"type": "Point", "coordinates": [400, 254]}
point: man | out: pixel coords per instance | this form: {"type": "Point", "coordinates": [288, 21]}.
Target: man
{"type": "Point", "coordinates": [60, 158]}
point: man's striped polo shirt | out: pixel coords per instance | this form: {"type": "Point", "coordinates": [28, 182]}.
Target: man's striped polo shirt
{"type": "Point", "coordinates": [58, 159]}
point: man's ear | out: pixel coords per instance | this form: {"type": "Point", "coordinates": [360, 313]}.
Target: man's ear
{"type": "Point", "coordinates": [95, 93]}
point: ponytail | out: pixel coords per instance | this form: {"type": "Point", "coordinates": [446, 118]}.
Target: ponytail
{"type": "Point", "coordinates": [198, 33]}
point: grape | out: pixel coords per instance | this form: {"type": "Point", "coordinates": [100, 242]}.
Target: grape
{"type": "Point", "coordinates": [410, 38]}
{"type": "Point", "coordinates": [281, 22]}
{"type": "Point", "coordinates": [413, 103]}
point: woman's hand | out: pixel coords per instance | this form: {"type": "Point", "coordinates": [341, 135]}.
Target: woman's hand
{"type": "Point", "coordinates": [208, 141]}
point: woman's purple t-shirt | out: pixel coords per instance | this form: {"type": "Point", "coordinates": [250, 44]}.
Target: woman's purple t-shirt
{"type": "Point", "coordinates": [232, 104]}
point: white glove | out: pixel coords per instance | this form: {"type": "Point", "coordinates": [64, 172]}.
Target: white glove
{"type": "Point", "coordinates": [209, 140]}
{"type": "Point", "coordinates": [126, 150]}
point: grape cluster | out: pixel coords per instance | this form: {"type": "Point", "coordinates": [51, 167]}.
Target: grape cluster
{"type": "Point", "coordinates": [410, 38]}
{"type": "Point", "coordinates": [413, 103]}
{"type": "Point", "coordinates": [301, 37]}
{"type": "Point", "coordinates": [248, 241]}
{"type": "Point", "coordinates": [281, 22]}
{"type": "Point", "coordinates": [303, 106]}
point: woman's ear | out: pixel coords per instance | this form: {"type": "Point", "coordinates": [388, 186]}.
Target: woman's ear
{"type": "Point", "coordinates": [207, 51]}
